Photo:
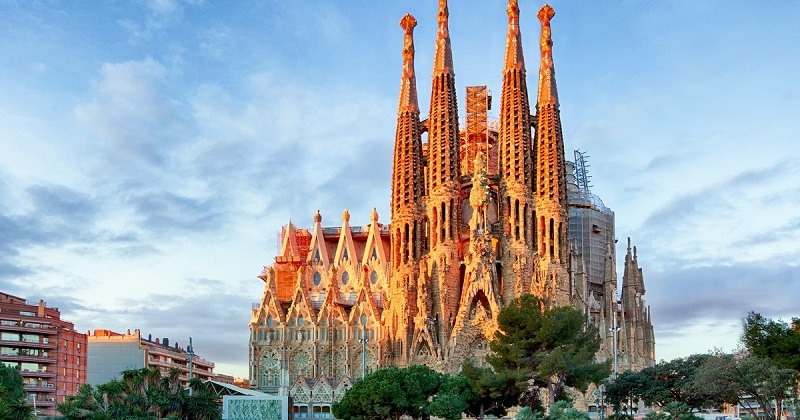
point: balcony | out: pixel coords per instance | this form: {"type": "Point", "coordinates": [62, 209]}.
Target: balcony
{"type": "Point", "coordinates": [26, 358]}
{"type": "Point", "coordinates": [37, 374]}
{"type": "Point", "coordinates": [26, 344]}
{"type": "Point", "coordinates": [43, 402]}
{"type": "Point", "coordinates": [39, 387]}
{"type": "Point", "coordinates": [43, 329]}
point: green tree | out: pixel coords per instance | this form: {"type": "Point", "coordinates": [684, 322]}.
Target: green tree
{"type": "Point", "coordinates": [560, 410]}
{"type": "Point", "coordinates": [627, 387]}
{"type": "Point", "coordinates": [672, 381]}
{"type": "Point", "coordinates": [775, 340]}
{"type": "Point", "coordinates": [391, 393]}
{"type": "Point", "coordinates": [564, 410]}
{"type": "Point", "coordinates": [142, 394]}
{"type": "Point", "coordinates": [527, 413]}
{"type": "Point", "coordinates": [731, 377]}
{"type": "Point", "coordinates": [673, 411]}
{"type": "Point", "coordinates": [13, 401]}
{"type": "Point", "coordinates": [451, 399]}
{"type": "Point", "coordinates": [549, 348]}
{"type": "Point", "coordinates": [490, 392]}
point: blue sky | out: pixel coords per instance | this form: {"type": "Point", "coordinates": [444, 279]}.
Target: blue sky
{"type": "Point", "coordinates": [151, 150]}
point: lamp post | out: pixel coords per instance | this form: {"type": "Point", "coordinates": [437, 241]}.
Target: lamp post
{"type": "Point", "coordinates": [364, 341]}
{"type": "Point", "coordinates": [614, 331]}
{"type": "Point", "coordinates": [190, 351]}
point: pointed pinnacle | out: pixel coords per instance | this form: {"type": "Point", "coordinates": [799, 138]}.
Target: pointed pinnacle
{"type": "Point", "coordinates": [548, 93]}
{"type": "Point", "coordinates": [514, 58]}
{"type": "Point", "coordinates": [408, 81]}
{"type": "Point", "coordinates": [443, 57]}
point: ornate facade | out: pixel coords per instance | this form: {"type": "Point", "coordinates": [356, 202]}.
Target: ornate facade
{"type": "Point", "coordinates": [479, 216]}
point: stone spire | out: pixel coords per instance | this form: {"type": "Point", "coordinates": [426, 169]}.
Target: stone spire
{"type": "Point", "coordinates": [547, 77]}
{"type": "Point", "coordinates": [407, 174]}
{"type": "Point", "coordinates": [550, 183]}
{"type": "Point", "coordinates": [516, 164]}
{"type": "Point", "coordinates": [443, 183]}
{"type": "Point", "coordinates": [514, 59]}
{"type": "Point", "coordinates": [443, 138]}
{"type": "Point", "coordinates": [443, 57]}
{"type": "Point", "coordinates": [408, 80]}
{"type": "Point", "coordinates": [407, 209]}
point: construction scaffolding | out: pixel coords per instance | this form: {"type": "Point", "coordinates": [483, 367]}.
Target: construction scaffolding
{"type": "Point", "coordinates": [478, 137]}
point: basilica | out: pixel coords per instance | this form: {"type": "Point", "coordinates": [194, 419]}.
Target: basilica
{"type": "Point", "coordinates": [480, 214]}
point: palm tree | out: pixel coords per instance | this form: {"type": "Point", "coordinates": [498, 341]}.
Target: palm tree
{"type": "Point", "coordinates": [142, 394]}
{"type": "Point", "coordinates": [16, 409]}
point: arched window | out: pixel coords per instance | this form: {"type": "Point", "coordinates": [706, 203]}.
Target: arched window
{"type": "Point", "coordinates": [270, 369]}
{"type": "Point", "coordinates": [345, 277]}
{"type": "Point", "coordinates": [317, 278]}
{"type": "Point", "coordinates": [373, 277]}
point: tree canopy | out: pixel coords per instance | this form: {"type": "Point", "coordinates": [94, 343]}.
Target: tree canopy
{"type": "Point", "coordinates": [751, 380]}
{"type": "Point", "coordinates": [142, 394]}
{"type": "Point", "coordinates": [545, 347]}
{"type": "Point", "coordinates": [391, 393]}
{"type": "Point", "coordinates": [13, 398]}
{"type": "Point", "coordinates": [775, 340]}
{"type": "Point", "coordinates": [489, 392]}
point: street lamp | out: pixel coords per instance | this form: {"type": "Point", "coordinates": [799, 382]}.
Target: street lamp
{"type": "Point", "coordinates": [364, 340]}
{"type": "Point", "coordinates": [614, 330]}
{"type": "Point", "coordinates": [190, 352]}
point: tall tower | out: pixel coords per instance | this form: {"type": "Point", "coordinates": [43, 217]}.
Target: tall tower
{"type": "Point", "coordinates": [516, 167]}
{"type": "Point", "coordinates": [552, 279]}
{"type": "Point", "coordinates": [443, 184]}
{"type": "Point", "coordinates": [406, 202]}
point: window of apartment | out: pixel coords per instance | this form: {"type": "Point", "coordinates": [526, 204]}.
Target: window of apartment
{"type": "Point", "coordinates": [30, 338]}
{"type": "Point", "coordinates": [29, 367]}
{"type": "Point", "coordinates": [9, 351]}
{"type": "Point", "coordinates": [27, 313]}
{"type": "Point", "coordinates": [9, 336]}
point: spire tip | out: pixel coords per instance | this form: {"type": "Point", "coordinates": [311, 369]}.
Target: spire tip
{"type": "Point", "coordinates": [408, 22]}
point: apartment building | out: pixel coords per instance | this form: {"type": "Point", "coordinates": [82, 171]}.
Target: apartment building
{"type": "Point", "coordinates": [49, 353]}
{"type": "Point", "coordinates": [111, 352]}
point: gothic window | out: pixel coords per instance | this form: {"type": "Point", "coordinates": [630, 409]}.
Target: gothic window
{"type": "Point", "coordinates": [373, 277]}
{"type": "Point", "coordinates": [332, 364]}
{"type": "Point", "coordinates": [301, 365]}
{"type": "Point", "coordinates": [344, 255]}
{"type": "Point", "coordinates": [270, 321]}
{"type": "Point", "coordinates": [317, 278]}
{"type": "Point", "coordinates": [345, 277]}
{"type": "Point", "coordinates": [270, 369]}
{"type": "Point", "coordinates": [301, 321]}
{"type": "Point", "coordinates": [362, 360]}
{"type": "Point", "coordinates": [316, 254]}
